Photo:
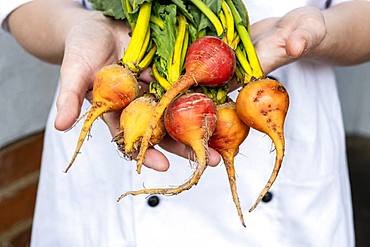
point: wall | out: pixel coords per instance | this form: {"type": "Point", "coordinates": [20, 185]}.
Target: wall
{"type": "Point", "coordinates": [26, 87]}
{"type": "Point", "coordinates": [354, 91]}
{"type": "Point", "coordinates": [20, 168]}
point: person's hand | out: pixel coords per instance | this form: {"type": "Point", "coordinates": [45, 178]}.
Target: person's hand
{"type": "Point", "coordinates": [279, 41]}
{"type": "Point", "coordinates": [89, 45]}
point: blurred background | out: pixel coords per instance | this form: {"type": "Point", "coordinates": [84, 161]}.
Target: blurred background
{"type": "Point", "coordinates": [31, 84]}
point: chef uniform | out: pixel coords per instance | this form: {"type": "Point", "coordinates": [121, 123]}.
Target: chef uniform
{"type": "Point", "coordinates": [309, 205]}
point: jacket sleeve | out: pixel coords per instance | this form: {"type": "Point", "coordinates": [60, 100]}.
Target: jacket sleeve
{"type": "Point", "coordinates": [6, 8]}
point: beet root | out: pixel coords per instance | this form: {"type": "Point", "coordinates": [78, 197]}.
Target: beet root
{"type": "Point", "coordinates": [114, 88]}
{"type": "Point", "coordinates": [190, 119]}
{"type": "Point", "coordinates": [263, 105]}
{"type": "Point", "coordinates": [133, 122]}
{"type": "Point", "coordinates": [209, 62]}
{"type": "Point", "coordinates": [229, 135]}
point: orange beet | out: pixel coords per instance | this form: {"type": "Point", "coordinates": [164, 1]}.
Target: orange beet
{"type": "Point", "coordinates": [263, 105]}
{"type": "Point", "coordinates": [133, 121]}
{"type": "Point", "coordinates": [229, 135]}
{"type": "Point", "coordinates": [114, 88]}
{"type": "Point", "coordinates": [190, 119]}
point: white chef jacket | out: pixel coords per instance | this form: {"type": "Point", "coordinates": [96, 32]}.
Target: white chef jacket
{"type": "Point", "coordinates": [310, 205]}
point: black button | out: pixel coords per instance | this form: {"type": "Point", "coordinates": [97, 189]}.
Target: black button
{"type": "Point", "coordinates": [153, 201]}
{"type": "Point", "coordinates": [327, 4]}
{"type": "Point", "coordinates": [268, 197]}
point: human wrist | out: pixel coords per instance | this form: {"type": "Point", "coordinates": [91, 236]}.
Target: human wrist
{"type": "Point", "coordinates": [71, 18]}
{"type": "Point", "coordinates": [7, 9]}
{"type": "Point", "coordinates": [118, 31]}
{"type": "Point", "coordinates": [329, 44]}
{"type": "Point", "coordinates": [41, 22]}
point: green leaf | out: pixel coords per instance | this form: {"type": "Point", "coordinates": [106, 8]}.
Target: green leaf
{"type": "Point", "coordinates": [127, 9]}
{"type": "Point", "coordinates": [156, 89]}
{"type": "Point", "coordinates": [182, 7]}
{"type": "Point", "coordinates": [193, 33]}
{"type": "Point", "coordinates": [217, 94]}
{"type": "Point", "coordinates": [242, 10]}
{"type": "Point", "coordinates": [215, 6]}
{"type": "Point", "coordinates": [118, 9]}
{"type": "Point", "coordinates": [164, 38]}
{"type": "Point", "coordinates": [202, 24]}
{"type": "Point", "coordinates": [111, 8]}
{"type": "Point", "coordinates": [136, 4]}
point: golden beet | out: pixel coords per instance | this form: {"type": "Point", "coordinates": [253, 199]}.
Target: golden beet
{"type": "Point", "coordinates": [263, 105]}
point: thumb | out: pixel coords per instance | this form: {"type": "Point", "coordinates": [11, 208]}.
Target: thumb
{"type": "Point", "coordinates": [298, 42]}
{"type": "Point", "coordinates": [73, 86]}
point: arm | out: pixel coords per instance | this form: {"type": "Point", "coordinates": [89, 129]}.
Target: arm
{"type": "Point", "coordinates": [42, 26]}
{"type": "Point", "coordinates": [347, 41]}
{"type": "Point", "coordinates": [82, 41]}
{"type": "Point", "coordinates": [60, 31]}
{"type": "Point", "coordinates": [338, 35]}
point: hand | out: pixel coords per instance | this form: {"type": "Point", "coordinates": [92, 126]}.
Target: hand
{"type": "Point", "coordinates": [279, 41]}
{"type": "Point", "coordinates": [89, 45]}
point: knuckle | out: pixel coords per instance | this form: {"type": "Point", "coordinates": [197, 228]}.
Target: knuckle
{"type": "Point", "coordinates": [281, 33]}
{"type": "Point", "coordinates": [312, 21]}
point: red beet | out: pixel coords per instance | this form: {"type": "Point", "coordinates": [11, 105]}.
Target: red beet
{"type": "Point", "coordinates": [190, 119]}
{"type": "Point", "coordinates": [209, 62]}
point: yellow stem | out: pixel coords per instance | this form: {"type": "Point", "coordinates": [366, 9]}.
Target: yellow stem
{"type": "Point", "coordinates": [138, 35]}
{"type": "Point", "coordinates": [160, 79]}
{"type": "Point", "coordinates": [158, 21]}
{"type": "Point", "coordinates": [147, 59]}
{"type": "Point", "coordinates": [239, 73]}
{"type": "Point", "coordinates": [210, 15]}
{"type": "Point", "coordinates": [185, 48]}
{"type": "Point", "coordinates": [144, 47]}
{"type": "Point", "coordinates": [222, 17]}
{"type": "Point", "coordinates": [240, 55]}
{"type": "Point", "coordinates": [128, 9]}
{"type": "Point", "coordinates": [174, 73]}
{"type": "Point", "coordinates": [247, 42]}
{"type": "Point", "coordinates": [235, 42]}
{"type": "Point", "coordinates": [229, 22]}
{"type": "Point", "coordinates": [252, 55]}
